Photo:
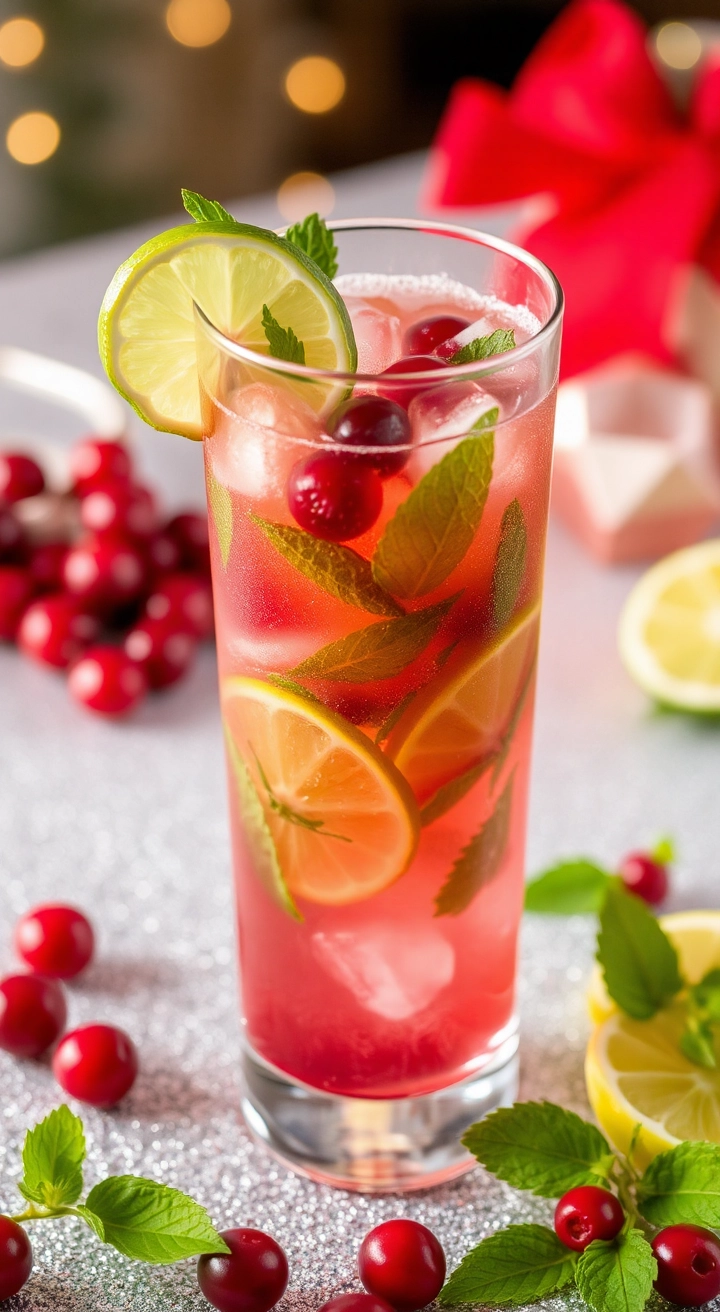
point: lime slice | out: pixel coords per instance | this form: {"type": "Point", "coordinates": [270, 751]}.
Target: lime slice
{"type": "Point", "coordinates": [147, 326]}
{"type": "Point", "coordinates": [695, 935]}
{"type": "Point", "coordinates": [343, 821]}
{"type": "Point", "coordinates": [670, 630]}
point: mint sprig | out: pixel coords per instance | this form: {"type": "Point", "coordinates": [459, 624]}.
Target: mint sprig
{"type": "Point", "coordinates": [314, 237]}
{"type": "Point", "coordinates": [480, 861]}
{"type": "Point", "coordinates": [617, 1276]}
{"type": "Point", "coordinates": [205, 211]}
{"type": "Point", "coordinates": [379, 651]}
{"type": "Point", "coordinates": [639, 963]}
{"type": "Point", "coordinates": [570, 888]}
{"type": "Point", "coordinates": [482, 348]}
{"type": "Point", "coordinates": [283, 343]}
{"type": "Point", "coordinates": [517, 1265]}
{"type": "Point", "coordinates": [541, 1147]}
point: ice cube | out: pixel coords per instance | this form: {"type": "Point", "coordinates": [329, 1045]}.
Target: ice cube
{"type": "Point", "coordinates": [377, 333]}
{"type": "Point", "coordinates": [441, 418]}
{"type": "Point", "coordinates": [259, 436]}
{"type": "Point", "coordinates": [395, 972]}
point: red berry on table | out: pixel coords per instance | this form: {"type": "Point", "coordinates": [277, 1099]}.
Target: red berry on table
{"type": "Point", "coordinates": [184, 599]}
{"type": "Point", "coordinates": [16, 1258]}
{"type": "Point", "coordinates": [104, 573]}
{"type": "Point", "coordinates": [55, 940]}
{"type": "Point", "coordinates": [402, 1262]}
{"type": "Point", "coordinates": [404, 393]}
{"type": "Point", "coordinates": [190, 531]}
{"type": "Point", "coordinates": [645, 876]}
{"type": "Point", "coordinates": [12, 538]}
{"type": "Point", "coordinates": [587, 1213]}
{"type": "Point", "coordinates": [119, 508]}
{"type": "Point", "coordinates": [55, 630]}
{"type": "Point", "coordinates": [423, 337]}
{"type": "Point", "coordinates": [334, 495]}
{"type": "Point", "coordinates": [688, 1258]}
{"type": "Point", "coordinates": [252, 1277]}
{"type": "Point", "coordinates": [96, 460]}
{"type": "Point", "coordinates": [33, 1013]}
{"type": "Point", "coordinates": [97, 1064]}
{"type": "Point", "coordinates": [374, 421]}
{"type": "Point", "coordinates": [106, 680]}
{"type": "Point", "coordinates": [356, 1303]}
{"type": "Point", "coordinates": [163, 649]}
{"type": "Point", "coordinates": [20, 477]}
{"type": "Point", "coordinates": [162, 554]}
{"type": "Point", "coordinates": [16, 592]}
{"type": "Point", "coordinates": [46, 564]}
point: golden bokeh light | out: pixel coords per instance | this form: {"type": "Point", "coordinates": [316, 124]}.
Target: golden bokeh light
{"type": "Point", "coordinates": [315, 84]}
{"type": "Point", "coordinates": [305, 193]}
{"type": "Point", "coordinates": [33, 138]}
{"type": "Point", "coordinates": [21, 41]}
{"type": "Point", "coordinates": [198, 22]}
{"type": "Point", "coordinates": [678, 45]}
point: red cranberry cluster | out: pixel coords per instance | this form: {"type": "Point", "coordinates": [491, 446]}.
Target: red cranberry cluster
{"type": "Point", "coordinates": [121, 599]}
{"type": "Point", "coordinates": [337, 495]}
{"type": "Point", "coordinates": [95, 1063]}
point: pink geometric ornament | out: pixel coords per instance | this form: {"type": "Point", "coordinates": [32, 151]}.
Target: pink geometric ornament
{"type": "Point", "coordinates": [635, 472]}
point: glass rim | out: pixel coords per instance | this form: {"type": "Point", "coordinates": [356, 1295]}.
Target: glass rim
{"type": "Point", "coordinates": [473, 369]}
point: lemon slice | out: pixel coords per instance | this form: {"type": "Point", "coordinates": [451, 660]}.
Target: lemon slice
{"type": "Point", "coordinates": [147, 327]}
{"type": "Point", "coordinates": [344, 823]}
{"type": "Point", "coordinates": [670, 630]}
{"type": "Point", "coordinates": [462, 714]}
{"type": "Point", "coordinates": [696, 936]}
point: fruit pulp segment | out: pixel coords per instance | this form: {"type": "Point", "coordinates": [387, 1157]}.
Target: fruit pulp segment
{"type": "Point", "coordinates": [385, 736]}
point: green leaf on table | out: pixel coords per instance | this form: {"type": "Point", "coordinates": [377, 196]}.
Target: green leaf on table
{"type": "Point", "coordinates": [480, 861]}
{"type": "Point", "coordinates": [682, 1186]}
{"type": "Point", "coordinates": [481, 348]}
{"type": "Point", "coordinates": [453, 792]}
{"type": "Point", "coordinates": [517, 1265]}
{"type": "Point", "coordinates": [150, 1221]}
{"type": "Point", "coordinates": [433, 529]}
{"type": "Point", "coordinates": [53, 1154]}
{"type": "Point", "coordinates": [265, 859]}
{"type": "Point", "coordinates": [336, 569]}
{"type": "Point", "coordinates": [571, 888]}
{"type": "Point", "coordinates": [639, 963]}
{"type": "Point", "coordinates": [509, 563]}
{"type": "Point", "coordinates": [541, 1147]}
{"type": "Point", "coordinates": [379, 651]}
{"type": "Point", "coordinates": [617, 1276]}
{"type": "Point", "coordinates": [314, 237]}
{"type": "Point", "coordinates": [205, 211]}
{"type": "Point", "coordinates": [391, 720]}
{"type": "Point", "coordinates": [283, 343]}
{"type": "Point", "coordinates": [506, 741]}
{"type": "Point", "coordinates": [221, 513]}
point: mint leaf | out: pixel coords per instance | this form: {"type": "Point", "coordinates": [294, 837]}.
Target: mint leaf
{"type": "Point", "coordinates": [289, 685]}
{"type": "Point", "coordinates": [509, 734]}
{"type": "Point", "coordinates": [432, 530]}
{"type": "Point", "coordinates": [290, 816]}
{"type": "Point", "coordinates": [480, 861]}
{"type": "Point", "coordinates": [53, 1154]}
{"type": "Point", "coordinates": [697, 1043]}
{"type": "Point", "coordinates": [315, 238]}
{"type": "Point", "coordinates": [516, 1265]}
{"type": "Point", "coordinates": [389, 723]}
{"type": "Point", "coordinates": [509, 563]}
{"type": "Point", "coordinates": [705, 996]}
{"type": "Point", "coordinates": [571, 888]}
{"type": "Point", "coordinates": [682, 1186]}
{"type": "Point", "coordinates": [540, 1147]}
{"type": "Point", "coordinates": [453, 792]}
{"type": "Point", "coordinates": [283, 343]}
{"type": "Point", "coordinates": [639, 962]}
{"type": "Point", "coordinates": [265, 859]}
{"type": "Point", "coordinates": [664, 850]}
{"type": "Point", "coordinates": [221, 514]}
{"type": "Point", "coordinates": [205, 211]}
{"type": "Point", "coordinates": [617, 1276]}
{"type": "Point", "coordinates": [150, 1221]}
{"type": "Point", "coordinates": [336, 569]}
{"type": "Point", "coordinates": [379, 651]}
{"type": "Point", "coordinates": [483, 347]}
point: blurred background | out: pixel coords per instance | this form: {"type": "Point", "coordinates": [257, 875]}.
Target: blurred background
{"type": "Point", "coordinates": [108, 107]}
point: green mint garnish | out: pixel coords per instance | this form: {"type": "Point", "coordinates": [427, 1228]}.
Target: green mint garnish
{"type": "Point", "coordinates": [682, 1186]}
{"type": "Point", "coordinates": [265, 859]}
{"type": "Point", "coordinates": [221, 514]}
{"type": "Point", "coordinates": [509, 569]}
{"type": "Point", "coordinates": [617, 1276]}
{"type": "Point", "coordinates": [283, 343]}
{"type": "Point", "coordinates": [315, 238]}
{"type": "Point", "coordinates": [639, 963]}
{"type": "Point", "coordinates": [541, 1147]}
{"type": "Point", "coordinates": [480, 860]}
{"type": "Point", "coordinates": [570, 888]}
{"type": "Point", "coordinates": [379, 651]}
{"type": "Point", "coordinates": [205, 211]}
{"type": "Point", "coordinates": [286, 812]}
{"type": "Point", "coordinates": [483, 347]}
{"type": "Point", "coordinates": [516, 1265]}
{"type": "Point", "coordinates": [53, 1155]}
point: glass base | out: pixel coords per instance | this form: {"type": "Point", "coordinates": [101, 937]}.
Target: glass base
{"type": "Point", "coordinates": [373, 1145]}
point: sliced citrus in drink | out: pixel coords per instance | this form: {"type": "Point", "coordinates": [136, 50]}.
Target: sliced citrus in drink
{"type": "Point", "coordinates": [147, 325]}
{"type": "Point", "coordinates": [670, 630]}
{"type": "Point", "coordinates": [462, 714]}
{"type": "Point", "coordinates": [696, 936]}
{"type": "Point", "coordinates": [344, 823]}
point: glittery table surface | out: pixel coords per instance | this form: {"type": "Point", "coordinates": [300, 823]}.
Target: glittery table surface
{"type": "Point", "coordinates": [129, 821]}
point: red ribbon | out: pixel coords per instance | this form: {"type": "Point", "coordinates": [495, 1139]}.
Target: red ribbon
{"type": "Point", "coordinates": [633, 187]}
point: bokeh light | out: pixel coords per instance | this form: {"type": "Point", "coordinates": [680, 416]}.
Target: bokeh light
{"type": "Point", "coordinates": [315, 84]}
{"type": "Point", "coordinates": [678, 45]}
{"type": "Point", "coordinates": [305, 193]}
{"type": "Point", "coordinates": [21, 41]}
{"type": "Point", "coordinates": [33, 138]}
{"type": "Point", "coordinates": [198, 22]}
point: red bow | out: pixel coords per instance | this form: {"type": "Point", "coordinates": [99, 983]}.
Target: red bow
{"type": "Point", "coordinates": [633, 188]}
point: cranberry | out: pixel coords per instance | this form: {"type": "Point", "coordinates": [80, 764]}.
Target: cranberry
{"type": "Point", "coordinates": [356, 1303]}
{"type": "Point", "coordinates": [119, 508]}
{"type": "Point", "coordinates": [16, 592]}
{"type": "Point", "coordinates": [33, 1013]}
{"type": "Point", "coordinates": [426, 335]}
{"type": "Point", "coordinates": [404, 393]}
{"type": "Point", "coordinates": [20, 477]}
{"type": "Point", "coordinates": [402, 1262]}
{"type": "Point", "coordinates": [16, 1258]}
{"type": "Point", "coordinates": [688, 1258]}
{"type": "Point", "coordinates": [334, 495]}
{"type": "Point", "coordinates": [104, 573]}
{"type": "Point", "coordinates": [96, 460]}
{"type": "Point", "coordinates": [252, 1277]}
{"type": "Point", "coordinates": [645, 877]}
{"type": "Point", "coordinates": [11, 536]}
{"type": "Point", "coordinates": [587, 1213]}
{"type": "Point", "coordinates": [106, 680]}
{"type": "Point", "coordinates": [55, 940]}
{"type": "Point", "coordinates": [163, 649]}
{"type": "Point", "coordinates": [190, 532]}
{"type": "Point", "coordinates": [162, 554]}
{"type": "Point", "coordinates": [97, 1064]}
{"type": "Point", "coordinates": [55, 631]}
{"type": "Point", "coordinates": [184, 599]}
{"type": "Point", "coordinates": [46, 565]}
{"type": "Point", "coordinates": [373, 421]}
